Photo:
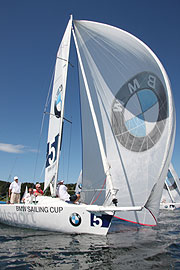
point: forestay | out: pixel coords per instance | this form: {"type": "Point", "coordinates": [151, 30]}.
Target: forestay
{"type": "Point", "coordinates": [57, 109]}
{"type": "Point", "coordinates": [133, 104]}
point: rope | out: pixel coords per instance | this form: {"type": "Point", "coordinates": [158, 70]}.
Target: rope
{"type": "Point", "coordinates": [99, 192]}
{"type": "Point", "coordinates": [42, 125]}
{"type": "Point", "coordinates": [69, 153]}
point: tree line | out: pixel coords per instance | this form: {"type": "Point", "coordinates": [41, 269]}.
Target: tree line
{"type": "Point", "coordinates": [4, 187]}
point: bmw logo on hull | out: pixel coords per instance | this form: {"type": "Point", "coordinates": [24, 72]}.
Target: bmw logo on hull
{"type": "Point", "coordinates": [75, 219]}
{"type": "Point", "coordinates": [139, 112]}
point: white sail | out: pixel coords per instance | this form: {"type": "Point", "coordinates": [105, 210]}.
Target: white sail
{"type": "Point", "coordinates": [171, 191]}
{"type": "Point", "coordinates": [25, 193]}
{"type": "Point", "coordinates": [57, 109]}
{"type": "Point", "coordinates": [133, 104]}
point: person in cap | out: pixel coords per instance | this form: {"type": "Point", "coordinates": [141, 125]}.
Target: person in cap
{"type": "Point", "coordinates": [63, 194]}
{"type": "Point", "coordinates": [38, 191]}
{"type": "Point", "coordinates": [14, 191]}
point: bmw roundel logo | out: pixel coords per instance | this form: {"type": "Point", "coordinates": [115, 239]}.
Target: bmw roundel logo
{"type": "Point", "coordinates": [58, 102]}
{"type": "Point", "coordinates": [75, 219]}
{"type": "Point", "coordinates": [139, 112]}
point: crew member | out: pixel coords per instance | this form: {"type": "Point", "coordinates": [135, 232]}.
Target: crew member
{"type": "Point", "coordinates": [14, 191]}
{"type": "Point", "coordinates": [63, 194]}
{"type": "Point", "coordinates": [38, 191]}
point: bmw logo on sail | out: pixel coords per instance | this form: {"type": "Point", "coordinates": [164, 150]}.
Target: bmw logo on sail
{"type": "Point", "coordinates": [139, 112]}
{"type": "Point", "coordinates": [58, 102]}
{"type": "Point", "coordinates": [75, 219]}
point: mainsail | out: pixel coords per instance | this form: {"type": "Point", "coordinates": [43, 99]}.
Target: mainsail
{"type": "Point", "coordinates": [57, 109]}
{"type": "Point", "coordinates": [133, 104]}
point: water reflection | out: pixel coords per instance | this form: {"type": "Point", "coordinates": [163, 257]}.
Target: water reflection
{"type": "Point", "coordinates": [144, 248]}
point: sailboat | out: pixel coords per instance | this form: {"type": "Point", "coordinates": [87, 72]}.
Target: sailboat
{"type": "Point", "coordinates": [128, 131]}
{"type": "Point", "coordinates": [171, 192]}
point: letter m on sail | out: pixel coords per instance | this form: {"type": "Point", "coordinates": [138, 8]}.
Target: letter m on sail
{"type": "Point", "coordinates": [133, 86]}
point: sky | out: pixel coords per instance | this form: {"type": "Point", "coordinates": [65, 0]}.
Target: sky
{"type": "Point", "coordinates": [30, 33]}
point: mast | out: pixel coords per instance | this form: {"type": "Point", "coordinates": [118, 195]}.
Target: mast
{"type": "Point", "coordinates": [99, 138]}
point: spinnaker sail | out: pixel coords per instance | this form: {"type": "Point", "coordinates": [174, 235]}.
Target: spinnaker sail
{"type": "Point", "coordinates": [133, 103]}
{"type": "Point", "coordinates": [171, 191]}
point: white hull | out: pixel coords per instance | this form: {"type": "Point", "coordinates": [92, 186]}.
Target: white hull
{"type": "Point", "coordinates": [54, 215]}
{"type": "Point", "coordinates": [169, 206]}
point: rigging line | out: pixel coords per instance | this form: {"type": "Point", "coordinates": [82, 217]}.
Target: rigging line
{"type": "Point", "coordinates": [69, 152]}
{"type": "Point", "coordinates": [107, 51]}
{"type": "Point", "coordinates": [43, 168]}
{"type": "Point", "coordinates": [48, 96]}
{"type": "Point", "coordinates": [107, 197]}
{"type": "Point", "coordinates": [119, 154]}
{"type": "Point", "coordinates": [105, 111]}
{"type": "Point", "coordinates": [169, 192]}
{"type": "Point", "coordinates": [93, 114]}
{"type": "Point", "coordinates": [65, 60]}
{"type": "Point", "coordinates": [67, 120]}
{"type": "Point", "coordinates": [42, 124]}
{"type": "Point", "coordinates": [99, 192]}
{"type": "Point", "coordinates": [9, 177]}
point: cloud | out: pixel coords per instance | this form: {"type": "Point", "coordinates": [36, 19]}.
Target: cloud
{"type": "Point", "coordinates": [17, 149]}
{"type": "Point", "coordinates": [10, 148]}
{"type": "Point", "coordinates": [33, 150]}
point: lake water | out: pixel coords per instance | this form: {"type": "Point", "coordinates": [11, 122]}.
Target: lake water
{"type": "Point", "coordinates": [144, 248]}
